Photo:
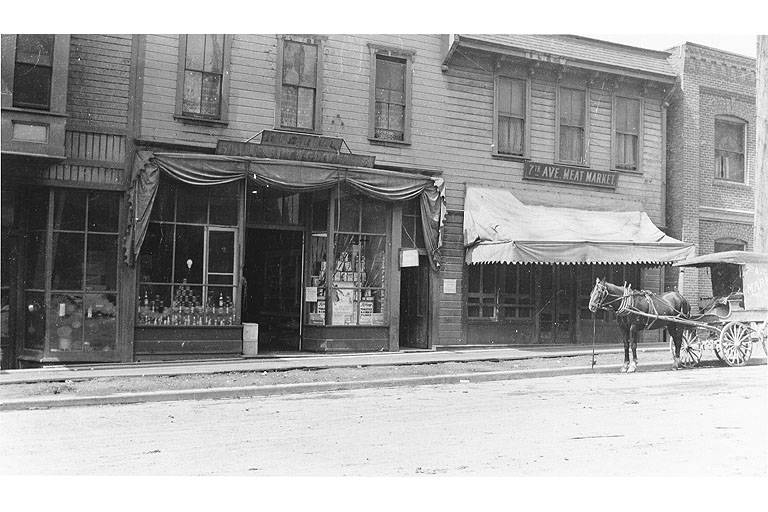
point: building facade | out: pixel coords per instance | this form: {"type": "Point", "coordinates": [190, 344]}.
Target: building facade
{"type": "Point", "coordinates": [711, 156]}
{"type": "Point", "coordinates": [186, 185]}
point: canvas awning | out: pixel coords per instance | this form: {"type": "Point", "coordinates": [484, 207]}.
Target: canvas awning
{"type": "Point", "coordinates": [289, 176]}
{"type": "Point", "coordinates": [498, 228]}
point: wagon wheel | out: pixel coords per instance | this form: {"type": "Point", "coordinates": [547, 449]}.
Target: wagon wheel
{"type": "Point", "coordinates": [735, 344]}
{"type": "Point", "coordinates": [690, 349]}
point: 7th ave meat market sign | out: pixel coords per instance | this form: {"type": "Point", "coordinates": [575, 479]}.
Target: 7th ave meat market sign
{"type": "Point", "coordinates": [570, 175]}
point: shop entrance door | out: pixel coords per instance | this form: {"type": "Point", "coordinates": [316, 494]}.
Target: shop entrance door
{"type": "Point", "coordinates": [414, 305]}
{"type": "Point", "coordinates": [555, 303]}
{"type": "Point", "coordinates": [272, 287]}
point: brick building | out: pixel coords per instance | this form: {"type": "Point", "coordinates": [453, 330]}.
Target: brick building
{"type": "Point", "coordinates": [711, 155]}
{"type": "Point", "coordinates": [221, 139]}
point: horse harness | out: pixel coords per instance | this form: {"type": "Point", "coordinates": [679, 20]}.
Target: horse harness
{"type": "Point", "coordinates": [627, 303]}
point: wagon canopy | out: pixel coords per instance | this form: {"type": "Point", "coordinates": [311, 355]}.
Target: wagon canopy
{"type": "Point", "coordinates": [732, 257]}
{"type": "Point", "coordinates": [498, 228]}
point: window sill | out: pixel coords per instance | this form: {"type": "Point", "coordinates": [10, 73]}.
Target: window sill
{"type": "Point", "coordinates": [511, 158]}
{"type": "Point", "coordinates": [35, 111]}
{"type": "Point", "coordinates": [390, 143]}
{"type": "Point", "coordinates": [291, 129]}
{"type": "Point", "coordinates": [630, 172]}
{"type": "Point", "coordinates": [732, 184]}
{"type": "Point", "coordinates": [572, 164]}
{"type": "Point", "coordinates": [200, 120]}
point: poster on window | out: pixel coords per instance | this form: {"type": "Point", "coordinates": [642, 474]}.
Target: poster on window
{"type": "Point", "coordinates": [366, 312]}
{"type": "Point", "coordinates": [344, 304]}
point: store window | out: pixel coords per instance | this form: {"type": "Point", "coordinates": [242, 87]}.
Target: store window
{"type": "Point", "coordinates": [203, 63]}
{"type": "Point", "coordinates": [359, 268]}
{"type": "Point", "coordinates": [298, 102]}
{"type": "Point", "coordinates": [71, 270]}
{"type": "Point", "coordinates": [729, 150]}
{"type": "Point", "coordinates": [33, 71]}
{"type": "Point", "coordinates": [510, 116]}
{"type": "Point", "coordinates": [627, 133]}
{"type": "Point", "coordinates": [188, 262]}
{"type": "Point", "coordinates": [498, 292]}
{"type": "Point", "coordinates": [318, 258]}
{"type": "Point", "coordinates": [572, 126]}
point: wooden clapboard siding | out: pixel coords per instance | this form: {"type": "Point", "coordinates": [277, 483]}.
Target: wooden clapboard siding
{"type": "Point", "coordinates": [99, 76]}
{"type": "Point", "coordinates": [452, 305]}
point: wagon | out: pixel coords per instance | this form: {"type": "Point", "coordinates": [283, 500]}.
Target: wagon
{"type": "Point", "coordinates": [736, 316]}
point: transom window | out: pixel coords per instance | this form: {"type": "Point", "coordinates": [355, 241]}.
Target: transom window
{"type": "Point", "coordinates": [729, 150]}
{"type": "Point", "coordinates": [572, 126]}
{"type": "Point", "coordinates": [33, 71]}
{"type": "Point", "coordinates": [203, 75]}
{"type": "Point", "coordinates": [299, 85]}
{"type": "Point", "coordinates": [497, 292]}
{"type": "Point", "coordinates": [627, 133]}
{"type": "Point", "coordinates": [510, 97]}
{"type": "Point", "coordinates": [390, 98]}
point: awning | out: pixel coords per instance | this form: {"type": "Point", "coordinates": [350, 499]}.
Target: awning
{"type": "Point", "coordinates": [289, 176]}
{"type": "Point", "coordinates": [731, 257]}
{"type": "Point", "coordinates": [498, 228]}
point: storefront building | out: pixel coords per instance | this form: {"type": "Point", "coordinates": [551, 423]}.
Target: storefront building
{"type": "Point", "coordinates": [270, 167]}
{"type": "Point", "coordinates": [711, 163]}
{"type": "Point", "coordinates": [566, 127]}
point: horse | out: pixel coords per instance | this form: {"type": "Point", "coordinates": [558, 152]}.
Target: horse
{"type": "Point", "coordinates": [623, 300]}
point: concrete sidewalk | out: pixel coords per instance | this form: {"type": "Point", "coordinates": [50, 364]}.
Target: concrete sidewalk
{"type": "Point", "coordinates": [302, 361]}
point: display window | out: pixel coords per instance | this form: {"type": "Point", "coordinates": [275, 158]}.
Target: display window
{"type": "Point", "coordinates": [71, 270]}
{"type": "Point", "coordinates": [358, 291]}
{"type": "Point", "coordinates": [188, 261]}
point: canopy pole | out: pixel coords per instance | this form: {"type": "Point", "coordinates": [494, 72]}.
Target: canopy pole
{"type": "Point", "coordinates": [594, 335]}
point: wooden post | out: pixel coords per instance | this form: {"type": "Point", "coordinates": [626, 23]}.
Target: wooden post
{"type": "Point", "coordinates": [761, 171]}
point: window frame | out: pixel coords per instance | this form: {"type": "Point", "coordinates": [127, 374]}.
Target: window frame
{"type": "Point", "coordinates": [207, 228]}
{"type": "Point", "coordinates": [50, 68]}
{"type": "Point", "coordinates": [526, 154]}
{"type": "Point", "coordinates": [223, 116]}
{"type": "Point", "coordinates": [319, 42]}
{"type": "Point", "coordinates": [640, 132]}
{"type": "Point", "coordinates": [586, 128]}
{"type": "Point", "coordinates": [502, 305]}
{"type": "Point", "coordinates": [742, 124]}
{"type": "Point", "coordinates": [394, 53]}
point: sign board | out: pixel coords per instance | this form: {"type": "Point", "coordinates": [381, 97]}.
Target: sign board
{"type": "Point", "coordinates": [301, 141]}
{"type": "Point", "coordinates": [409, 258]}
{"type": "Point", "coordinates": [755, 279]}
{"type": "Point", "coordinates": [301, 153]}
{"type": "Point", "coordinates": [449, 285]}
{"type": "Point", "coordinates": [310, 294]}
{"type": "Point", "coordinates": [570, 175]}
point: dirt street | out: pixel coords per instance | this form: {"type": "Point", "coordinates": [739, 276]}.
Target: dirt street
{"type": "Point", "coordinates": [708, 421]}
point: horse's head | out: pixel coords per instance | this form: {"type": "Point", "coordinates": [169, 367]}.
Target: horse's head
{"type": "Point", "coordinates": [596, 298]}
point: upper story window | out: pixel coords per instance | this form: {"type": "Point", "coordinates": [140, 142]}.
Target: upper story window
{"type": "Point", "coordinates": [203, 67]}
{"type": "Point", "coordinates": [510, 116]}
{"type": "Point", "coordinates": [390, 112]}
{"type": "Point", "coordinates": [729, 150]}
{"type": "Point", "coordinates": [627, 133]}
{"type": "Point", "coordinates": [572, 126]}
{"type": "Point", "coordinates": [298, 102]}
{"type": "Point", "coordinates": [33, 71]}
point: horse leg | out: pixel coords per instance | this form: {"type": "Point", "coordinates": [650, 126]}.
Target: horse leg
{"type": "Point", "coordinates": [677, 339]}
{"type": "Point", "coordinates": [625, 332]}
{"type": "Point", "coordinates": [633, 333]}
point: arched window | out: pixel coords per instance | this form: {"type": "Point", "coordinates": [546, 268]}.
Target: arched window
{"type": "Point", "coordinates": [729, 148]}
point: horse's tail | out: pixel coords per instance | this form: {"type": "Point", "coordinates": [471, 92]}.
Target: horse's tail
{"type": "Point", "coordinates": [684, 308]}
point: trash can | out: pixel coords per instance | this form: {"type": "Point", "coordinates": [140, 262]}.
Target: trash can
{"type": "Point", "coordinates": [250, 339]}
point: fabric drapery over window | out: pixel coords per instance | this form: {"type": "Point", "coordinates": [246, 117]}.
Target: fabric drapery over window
{"type": "Point", "coordinates": [498, 228]}
{"type": "Point", "coordinates": [289, 176]}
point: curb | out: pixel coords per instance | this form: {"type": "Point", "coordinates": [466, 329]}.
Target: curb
{"type": "Point", "coordinates": [311, 387]}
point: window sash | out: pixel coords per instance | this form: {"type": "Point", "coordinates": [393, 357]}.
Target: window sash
{"type": "Point", "coordinates": [390, 107]}
{"type": "Point", "coordinates": [298, 81]}
{"type": "Point", "coordinates": [626, 151]}
{"type": "Point", "coordinates": [203, 76]}
{"type": "Point", "coordinates": [729, 166]}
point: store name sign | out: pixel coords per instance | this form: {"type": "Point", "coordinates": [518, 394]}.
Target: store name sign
{"type": "Point", "coordinates": [304, 151]}
{"type": "Point", "coordinates": [570, 175]}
